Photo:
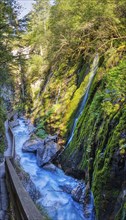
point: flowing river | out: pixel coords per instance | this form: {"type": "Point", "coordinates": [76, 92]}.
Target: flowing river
{"type": "Point", "coordinates": [51, 184]}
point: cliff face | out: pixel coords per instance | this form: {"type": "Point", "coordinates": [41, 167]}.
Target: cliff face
{"type": "Point", "coordinates": [98, 147]}
{"type": "Point", "coordinates": [60, 94]}
{"type": "Point", "coordinates": [6, 96]}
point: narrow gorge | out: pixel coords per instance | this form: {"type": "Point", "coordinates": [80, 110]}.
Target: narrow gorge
{"type": "Point", "coordinates": [57, 192]}
{"type": "Point", "coordinates": [63, 92]}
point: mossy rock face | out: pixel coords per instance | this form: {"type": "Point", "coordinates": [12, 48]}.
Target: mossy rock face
{"type": "Point", "coordinates": [98, 145]}
{"type": "Point", "coordinates": [60, 94]}
{"type": "Point", "coordinates": [121, 214]}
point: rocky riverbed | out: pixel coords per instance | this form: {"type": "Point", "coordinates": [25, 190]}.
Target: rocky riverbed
{"type": "Point", "coordinates": [61, 196]}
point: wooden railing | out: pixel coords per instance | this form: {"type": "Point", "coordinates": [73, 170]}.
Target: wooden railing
{"type": "Point", "coordinates": [23, 206]}
{"type": "Point", "coordinates": [12, 141]}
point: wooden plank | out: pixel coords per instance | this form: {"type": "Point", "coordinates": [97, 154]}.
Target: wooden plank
{"type": "Point", "coordinates": [12, 140]}
{"type": "Point", "coordinates": [16, 212]}
{"type": "Point", "coordinates": [27, 207]}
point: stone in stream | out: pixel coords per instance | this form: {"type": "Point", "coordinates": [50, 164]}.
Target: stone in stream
{"type": "Point", "coordinates": [32, 145]}
{"type": "Point", "coordinates": [50, 167]}
{"type": "Point", "coordinates": [46, 149]}
{"type": "Point", "coordinates": [79, 192]}
{"type": "Point", "coordinates": [82, 194]}
{"type": "Point", "coordinates": [66, 188]}
{"type": "Point", "coordinates": [47, 154]}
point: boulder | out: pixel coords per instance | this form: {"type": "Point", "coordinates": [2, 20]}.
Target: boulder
{"type": "Point", "coordinates": [82, 194]}
{"type": "Point", "coordinates": [49, 167]}
{"type": "Point", "coordinates": [79, 192]}
{"type": "Point", "coordinates": [51, 138]}
{"type": "Point", "coordinates": [13, 123]}
{"type": "Point", "coordinates": [46, 149]}
{"type": "Point", "coordinates": [47, 154]}
{"type": "Point", "coordinates": [32, 145]}
{"type": "Point", "coordinates": [66, 188]}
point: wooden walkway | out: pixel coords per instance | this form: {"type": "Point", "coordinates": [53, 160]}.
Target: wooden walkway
{"type": "Point", "coordinates": [3, 194]}
{"type": "Point", "coordinates": [4, 198]}
{"type": "Point", "coordinates": [22, 205]}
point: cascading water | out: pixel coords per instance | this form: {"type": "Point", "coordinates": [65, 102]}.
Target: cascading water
{"type": "Point", "coordinates": [85, 97]}
{"type": "Point", "coordinates": [55, 188]}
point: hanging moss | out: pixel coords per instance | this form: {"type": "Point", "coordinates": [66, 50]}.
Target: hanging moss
{"type": "Point", "coordinates": [99, 139]}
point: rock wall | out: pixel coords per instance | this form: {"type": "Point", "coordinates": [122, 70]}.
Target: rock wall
{"type": "Point", "coordinates": [97, 151]}
{"type": "Point", "coordinates": [6, 96]}
{"type": "Point", "coordinates": [98, 147]}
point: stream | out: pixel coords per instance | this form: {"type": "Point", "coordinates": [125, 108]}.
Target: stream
{"type": "Point", "coordinates": [53, 185]}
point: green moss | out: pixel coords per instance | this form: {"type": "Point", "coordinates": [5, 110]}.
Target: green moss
{"type": "Point", "coordinates": [40, 129]}
{"type": "Point", "coordinates": [41, 133]}
{"type": "Point", "coordinates": [121, 213]}
{"type": "Point", "coordinates": [98, 136]}
{"type": "Point", "coordinates": [82, 73]}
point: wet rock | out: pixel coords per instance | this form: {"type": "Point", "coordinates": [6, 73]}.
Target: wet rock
{"type": "Point", "coordinates": [32, 145]}
{"type": "Point", "coordinates": [47, 149]}
{"type": "Point", "coordinates": [50, 167]}
{"type": "Point", "coordinates": [76, 173]}
{"type": "Point", "coordinates": [86, 197]}
{"type": "Point", "coordinates": [51, 138]}
{"type": "Point", "coordinates": [78, 193]}
{"type": "Point", "coordinates": [82, 194]}
{"type": "Point", "coordinates": [27, 182]}
{"type": "Point", "coordinates": [14, 123]}
{"type": "Point", "coordinates": [47, 154]}
{"type": "Point", "coordinates": [67, 188]}
{"type": "Point", "coordinates": [31, 127]}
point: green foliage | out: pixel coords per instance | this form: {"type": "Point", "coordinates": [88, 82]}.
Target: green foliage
{"type": "Point", "coordinates": [40, 130]}
{"type": "Point", "coordinates": [61, 36]}
{"type": "Point", "coordinates": [8, 26]}
{"type": "Point", "coordinates": [98, 135]}
{"type": "Point", "coordinates": [8, 32]}
{"type": "Point", "coordinates": [41, 133]}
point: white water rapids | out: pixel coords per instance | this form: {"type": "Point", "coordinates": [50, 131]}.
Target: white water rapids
{"type": "Point", "coordinates": [50, 183]}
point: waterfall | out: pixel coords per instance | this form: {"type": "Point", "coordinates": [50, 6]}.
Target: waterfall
{"type": "Point", "coordinates": [85, 97]}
